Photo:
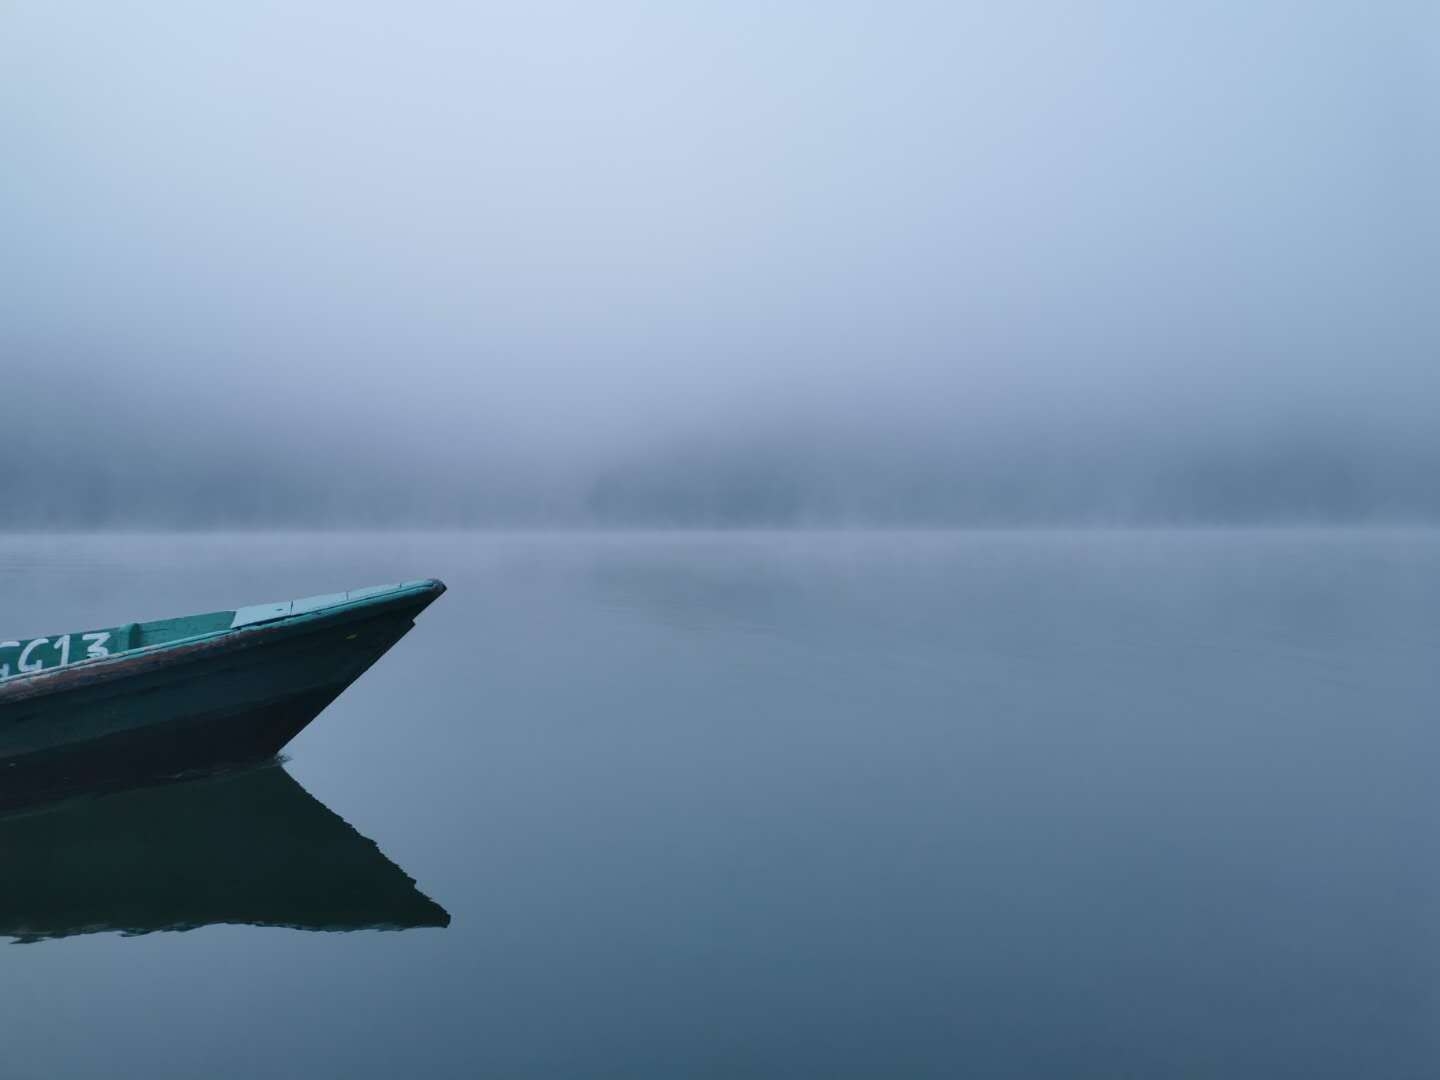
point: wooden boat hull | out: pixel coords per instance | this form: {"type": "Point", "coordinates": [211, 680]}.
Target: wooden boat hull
{"type": "Point", "coordinates": [217, 700]}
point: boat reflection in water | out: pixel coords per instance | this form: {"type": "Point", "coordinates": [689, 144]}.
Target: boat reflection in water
{"type": "Point", "coordinates": [250, 847]}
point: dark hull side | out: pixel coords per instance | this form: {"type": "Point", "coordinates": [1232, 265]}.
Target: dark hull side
{"type": "Point", "coordinates": [247, 847]}
{"type": "Point", "coordinates": [231, 701]}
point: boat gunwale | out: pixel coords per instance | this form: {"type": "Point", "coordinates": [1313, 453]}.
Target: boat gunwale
{"type": "Point", "coordinates": [24, 686]}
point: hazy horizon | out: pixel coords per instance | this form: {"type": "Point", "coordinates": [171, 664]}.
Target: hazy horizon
{"type": "Point", "coordinates": [635, 266]}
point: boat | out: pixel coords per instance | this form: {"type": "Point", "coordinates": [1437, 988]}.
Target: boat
{"type": "Point", "coordinates": [155, 699]}
{"type": "Point", "coordinates": [241, 847]}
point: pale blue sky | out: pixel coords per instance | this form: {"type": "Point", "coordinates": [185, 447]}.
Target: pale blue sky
{"type": "Point", "coordinates": [546, 236]}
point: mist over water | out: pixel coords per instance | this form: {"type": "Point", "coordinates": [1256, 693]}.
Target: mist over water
{"type": "Point", "coordinates": [840, 263]}
{"type": "Point", "coordinates": [732, 750]}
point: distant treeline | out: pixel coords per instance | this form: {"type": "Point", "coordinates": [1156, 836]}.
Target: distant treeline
{"type": "Point", "coordinates": [240, 484]}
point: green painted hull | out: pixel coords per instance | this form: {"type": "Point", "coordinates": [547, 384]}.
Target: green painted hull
{"type": "Point", "coordinates": [235, 692]}
{"type": "Point", "coordinates": [249, 847]}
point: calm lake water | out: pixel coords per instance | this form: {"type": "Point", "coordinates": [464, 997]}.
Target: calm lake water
{"type": "Point", "coordinates": [998, 805]}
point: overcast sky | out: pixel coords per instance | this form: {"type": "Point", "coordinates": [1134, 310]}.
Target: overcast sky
{"type": "Point", "coordinates": [719, 263]}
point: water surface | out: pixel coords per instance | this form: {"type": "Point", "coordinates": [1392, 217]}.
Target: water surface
{"type": "Point", "coordinates": [1081, 805]}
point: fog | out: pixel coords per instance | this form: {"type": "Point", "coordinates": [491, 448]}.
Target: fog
{"type": "Point", "coordinates": [732, 264]}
